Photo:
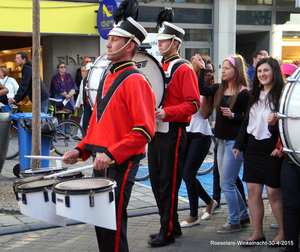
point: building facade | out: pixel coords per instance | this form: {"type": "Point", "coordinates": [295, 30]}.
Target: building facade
{"type": "Point", "coordinates": [218, 28]}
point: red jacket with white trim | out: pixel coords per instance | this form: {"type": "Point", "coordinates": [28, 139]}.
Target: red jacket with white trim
{"type": "Point", "coordinates": [127, 121]}
{"type": "Point", "coordinates": [182, 96]}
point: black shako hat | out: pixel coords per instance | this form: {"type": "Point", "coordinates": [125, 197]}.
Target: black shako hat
{"type": "Point", "coordinates": [128, 28]}
{"type": "Point", "coordinates": [168, 30]}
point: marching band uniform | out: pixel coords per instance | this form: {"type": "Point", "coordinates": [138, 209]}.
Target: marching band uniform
{"type": "Point", "coordinates": [122, 123]}
{"type": "Point", "coordinates": [166, 150]}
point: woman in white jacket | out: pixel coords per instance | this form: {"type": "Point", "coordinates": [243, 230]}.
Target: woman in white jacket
{"type": "Point", "coordinates": [10, 84]}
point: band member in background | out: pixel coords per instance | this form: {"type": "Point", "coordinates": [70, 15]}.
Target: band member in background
{"type": "Point", "coordinates": [122, 123]}
{"type": "Point", "coordinates": [166, 150]}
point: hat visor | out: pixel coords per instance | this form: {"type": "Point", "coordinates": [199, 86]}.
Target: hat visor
{"type": "Point", "coordinates": [163, 37]}
{"type": "Point", "coordinates": [122, 33]}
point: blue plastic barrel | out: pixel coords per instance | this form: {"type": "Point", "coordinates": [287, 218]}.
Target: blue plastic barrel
{"type": "Point", "coordinates": [4, 136]}
{"type": "Point", "coordinates": [25, 139]}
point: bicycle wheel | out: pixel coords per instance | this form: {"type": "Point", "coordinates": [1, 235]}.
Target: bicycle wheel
{"type": "Point", "coordinates": [13, 147]}
{"type": "Point", "coordinates": [208, 166]}
{"type": "Point", "coordinates": [69, 133]}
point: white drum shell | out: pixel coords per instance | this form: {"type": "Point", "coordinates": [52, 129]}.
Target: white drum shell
{"type": "Point", "coordinates": [37, 208]}
{"type": "Point", "coordinates": [289, 128]}
{"type": "Point", "coordinates": [101, 68]}
{"type": "Point", "coordinates": [103, 214]}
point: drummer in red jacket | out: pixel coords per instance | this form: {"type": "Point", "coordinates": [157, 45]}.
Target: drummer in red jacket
{"type": "Point", "coordinates": [167, 150]}
{"type": "Point", "coordinates": [122, 123]}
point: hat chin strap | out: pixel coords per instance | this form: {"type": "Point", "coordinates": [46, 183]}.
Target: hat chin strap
{"type": "Point", "coordinates": [119, 50]}
{"type": "Point", "coordinates": [170, 44]}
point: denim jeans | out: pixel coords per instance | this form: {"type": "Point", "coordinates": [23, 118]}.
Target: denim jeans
{"type": "Point", "coordinates": [216, 183]}
{"type": "Point", "coordinates": [86, 117]}
{"type": "Point", "coordinates": [44, 106]}
{"type": "Point", "coordinates": [290, 187]}
{"type": "Point", "coordinates": [197, 148]}
{"type": "Point", "coordinates": [229, 168]}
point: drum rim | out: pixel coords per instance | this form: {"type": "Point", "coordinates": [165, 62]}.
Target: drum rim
{"type": "Point", "coordinates": [37, 188]}
{"type": "Point", "coordinates": [284, 137]}
{"type": "Point", "coordinates": [84, 191]}
{"type": "Point", "coordinates": [92, 103]}
{"type": "Point", "coordinates": [43, 171]}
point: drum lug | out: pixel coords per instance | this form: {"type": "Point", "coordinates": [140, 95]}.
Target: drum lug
{"type": "Point", "coordinates": [53, 197]}
{"type": "Point", "coordinates": [92, 200]}
{"type": "Point", "coordinates": [111, 196]}
{"type": "Point", "coordinates": [67, 201]}
{"type": "Point", "coordinates": [24, 201]}
{"type": "Point", "coordinates": [46, 198]}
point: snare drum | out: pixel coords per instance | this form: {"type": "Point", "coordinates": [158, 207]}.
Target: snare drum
{"type": "Point", "coordinates": [35, 200]}
{"type": "Point", "coordinates": [41, 171]}
{"type": "Point", "coordinates": [289, 115]}
{"type": "Point", "coordinates": [89, 200]}
{"type": "Point", "coordinates": [145, 62]}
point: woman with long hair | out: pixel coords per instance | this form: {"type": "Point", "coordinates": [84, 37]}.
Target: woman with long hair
{"type": "Point", "coordinates": [258, 142]}
{"type": "Point", "coordinates": [230, 101]}
{"type": "Point", "coordinates": [198, 143]}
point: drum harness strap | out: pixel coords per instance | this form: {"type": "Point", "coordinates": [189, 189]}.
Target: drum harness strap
{"type": "Point", "coordinates": [103, 102]}
{"type": "Point", "coordinates": [173, 67]}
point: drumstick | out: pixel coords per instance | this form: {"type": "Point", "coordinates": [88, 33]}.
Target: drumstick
{"type": "Point", "coordinates": [71, 171]}
{"type": "Point", "coordinates": [48, 157]}
{"type": "Point", "coordinates": [67, 172]}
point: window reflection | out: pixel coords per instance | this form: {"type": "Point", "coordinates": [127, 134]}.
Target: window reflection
{"type": "Point", "coordinates": [182, 15]}
{"type": "Point", "coordinates": [253, 17]}
{"type": "Point", "coordinates": [254, 2]}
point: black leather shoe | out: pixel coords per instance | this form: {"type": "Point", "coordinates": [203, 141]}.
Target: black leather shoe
{"type": "Point", "coordinates": [253, 242]}
{"type": "Point", "coordinates": [161, 240]}
{"type": "Point", "coordinates": [176, 234]}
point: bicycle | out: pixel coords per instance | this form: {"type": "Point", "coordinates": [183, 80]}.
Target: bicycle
{"type": "Point", "coordinates": [205, 168]}
{"type": "Point", "coordinates": [69, 133]}
{"type": "Point", "coordinates": [13, 147]}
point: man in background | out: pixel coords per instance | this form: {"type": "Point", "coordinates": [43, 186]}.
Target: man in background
{"type": "Point", "coordinates": [25, 87]}
{"type": "Point", "coordinates": [256, 56]}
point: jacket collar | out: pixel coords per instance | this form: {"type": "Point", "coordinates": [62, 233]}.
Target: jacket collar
{"type": "Point", "coordinates": [171, 58]}
{"type": "Point", "coordinates": [121, 65]}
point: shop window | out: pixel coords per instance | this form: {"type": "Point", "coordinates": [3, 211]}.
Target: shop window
{"type": "Point", "coordinates": [198, 35]}
{"type": "Point", "coordinates": [190, 16]}
{"type": "Point", "coordinates": [290, 3]}
{"type": "Point", "coordinates": [253, 18]}
{"type": "Point", "coordinates": [190, 52]}
{"type": "Point", "coordinates": [287, 18]}
{"type": "Point", "coordinates": [254, 2]}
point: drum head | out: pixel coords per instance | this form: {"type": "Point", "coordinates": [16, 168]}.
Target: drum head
{"type": "Point", "coordinates": [147, 64]}
{"type": "Point", "coordinates": [84, 186]}
{"type": "Point", "coordinates": [100, 69]}
{"type": "Point", "coordinates": [72, 175]}
{"type": "Point", "coordinates": [27, 179]}
{"type": "Point", "coordinates": [289, 128]}
{"type": "Point", "coordinates": [42, 171]}
{"type": "Point", "coordinates": [36, 186]}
